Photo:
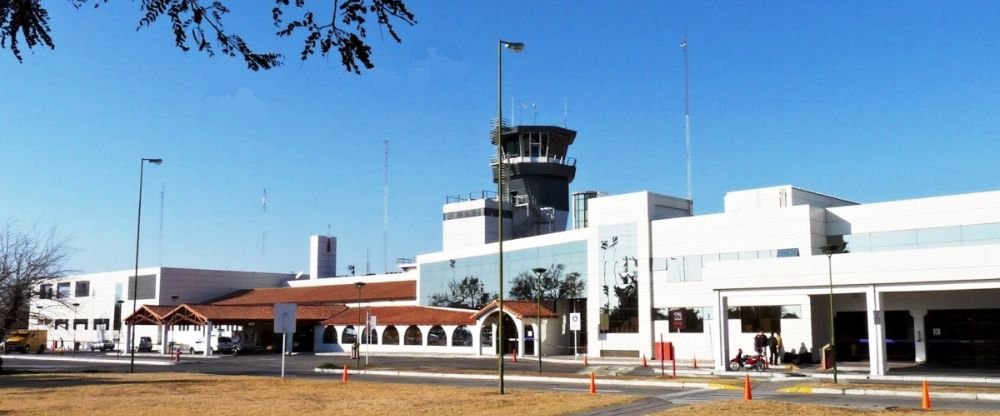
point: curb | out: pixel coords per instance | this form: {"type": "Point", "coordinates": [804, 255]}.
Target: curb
{"type": "Point", "coordinates": [91, 360]}
{"type": "Point", "coordinates": [893, 393]}
{"type": "Point", "coordinates": [607, 382]}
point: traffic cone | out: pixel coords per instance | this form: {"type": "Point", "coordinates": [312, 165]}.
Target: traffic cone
{"type": "Point", "coordinates": [644, 365]}
{"type": "Point", "coordinates": [585, 360]}
{"type": "Point", "coordinates": [343, 379]}
{"type": "Point", "coordinates": [747, 394]}
{"type": "Point", "coordinates": [696, 362]}
{"type": "Point", "coordinates": [925, 403]}
{"type": "Point", "coordinates": [593, 384]}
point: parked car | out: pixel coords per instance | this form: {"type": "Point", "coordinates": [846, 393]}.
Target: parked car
{"type": "Point", "coordinates": [105, 345]}
{"type": "Point", "coordinates": [145, 344]}
{"type": "Point", "coordinates": [220, 345]}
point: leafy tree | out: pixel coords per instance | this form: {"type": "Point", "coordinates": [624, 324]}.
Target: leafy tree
{"type": "Point", "coordinates": [555, 284]}
{"type": "Point", "coordinates": [467, 293]}
{"type": "Point", "coordinates": [199, 24]}
{"type": "Point", "coordinates": [26, 261]}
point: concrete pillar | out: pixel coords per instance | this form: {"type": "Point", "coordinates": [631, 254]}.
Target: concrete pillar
{"type": "Point", "coordinates": [720, 332]}
{"type": "Point", "coordinates": [477, 338]}
{"type": "Point", "coordinates": [519, 333]}
{"type": "Point", "coordinates": [208, 338]}
{"type": "Point", "coordinates": [876, 332]}
{"type": "Point", "coordinates": [919, 337]}
{"type": "Point", "coordinates": [164, 332]}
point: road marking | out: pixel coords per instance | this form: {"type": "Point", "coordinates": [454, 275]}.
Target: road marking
{"type": "Point", "coordinates": [587, 389]}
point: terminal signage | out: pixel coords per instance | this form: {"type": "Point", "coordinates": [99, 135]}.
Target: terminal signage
{"type": "Point", "coordinates": [574, 321]}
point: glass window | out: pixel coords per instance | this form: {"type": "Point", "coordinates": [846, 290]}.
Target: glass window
{"type": "Point", "coordinates": [859, 242]}
{"type": "Point", "coordinates": [791, 312]}
{"type": "Point", "coordinates": [373, 335]}
{"type": "Point", "coordinates": [82, 289]}
{"type": "Point", "coordinates": [486, 335]}
{"type": "Point", "coordinates": [77, 323]}
{"type": "Point", "coordinates": [748, 255]}
{"type": "Point", "coordinates": [413, 336]}
{"type": "Point", "coordinates": [692, 269]}
{"type": "Point", "coordinates": [437, 336]}
{"type": "Point", "coordinates": [760, 318]}
{"type": "Point", "coordinates": [62, 290]}
{"type": "Point", "coordinates": [939, 236]}
{"type": "Point", "coordinates": [461, 337]}
{"type": "Point", "coordinates": [729, 256]}
{"type": "Point", "coordinates": [390, 336]}
{"type": "Point", "coordinates": [683, 319]}
{"type": "Point", "coordinates": [980, 232]}
{"type": "Point", "coordinates": [349, 336]}
{"type": "Point", "coordinates": [788, 252]}
{"type": "Point", "coordinates": [62, 323]}
{"type": "Point", "coordinates": [45, 292]}
{"type": "Point", "coordinates": [330, 335]}
{"type": "Point", "coordinates": [892, 240]}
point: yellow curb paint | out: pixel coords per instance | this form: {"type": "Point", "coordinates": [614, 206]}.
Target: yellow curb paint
{"type": "Point", "coordinates": [719, 386]}
{"type": "Point", "coordinates": [799, 389]}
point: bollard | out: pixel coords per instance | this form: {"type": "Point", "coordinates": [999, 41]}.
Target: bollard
{"type": "Point", "coordinates": [585, 360]}
{"type": "Point", "coordinates": [343, 379]}
{"type": "Point", "coordinates": [695, 362]}
{"type": "Point", "coordinates": [644, 361]}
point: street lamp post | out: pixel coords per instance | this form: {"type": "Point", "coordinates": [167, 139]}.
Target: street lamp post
{"type": "Point", "coordinates": [135, 276]}
{"type": "Point", "coordinates": [76, 306]}
{"type": "Point", "coordinates": [118, 324]}
{"type": "Point", "coordinates": [357, 332]}
{"type": "Point", "coordinates": [516, 47]}
{"type": "Point", "coordinates": [829, 251]}
{"type": "Point", "coordinates": [538, 317]}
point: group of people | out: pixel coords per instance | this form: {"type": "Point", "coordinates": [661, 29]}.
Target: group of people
{"type": "Point", "coordinates": [769, 346]}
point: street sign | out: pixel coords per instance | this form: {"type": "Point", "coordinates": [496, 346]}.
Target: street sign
{"type": "Point", "coordinates": [284, 318]}
{"type": "Point", "coordinates": [574, 321]}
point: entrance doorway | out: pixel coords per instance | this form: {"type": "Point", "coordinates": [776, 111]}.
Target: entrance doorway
{"type": "Point", "coordinates": [966, 337]}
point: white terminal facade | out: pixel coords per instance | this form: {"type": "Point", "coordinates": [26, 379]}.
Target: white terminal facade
{"type": "Point", "coordinates": [912, 280]}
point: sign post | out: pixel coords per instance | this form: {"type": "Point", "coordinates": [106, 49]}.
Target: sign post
{"type": "Point", "coordinates": [284, 323]}
{"type": "Point", "coordinates": [574, 325]}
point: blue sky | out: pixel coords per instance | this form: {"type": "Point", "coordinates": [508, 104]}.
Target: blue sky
{"type": "Point", "coordinates": [869, 101]}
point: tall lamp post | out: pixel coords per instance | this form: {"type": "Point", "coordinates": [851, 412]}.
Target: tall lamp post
{"type": "Point", "coordinates": [539, 271]}
{"type": "Point", "coordinates": [830, 250]}
{"type": "Point", "coordinates": [76, 306]}
{"type": "Point", "coordinates": [516, 47]}
{"type": "Point", "coordinates": [357, 333]}
{"type": "Point", "coordinates": [135, 276]}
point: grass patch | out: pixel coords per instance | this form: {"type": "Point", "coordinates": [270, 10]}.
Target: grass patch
{"type": "Point", "coordinates": [763, 407]}
{"type": "Point", "coordinates": [166, 394]}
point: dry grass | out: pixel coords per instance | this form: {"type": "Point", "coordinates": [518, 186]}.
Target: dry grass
{"type": "Point", "coordinates": [763, 407]}
{"type": "Point", "coordinates": [168, 394]}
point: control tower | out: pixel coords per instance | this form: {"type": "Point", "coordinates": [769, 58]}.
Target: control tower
{"type": "Point", "coordinates": [538, 173]}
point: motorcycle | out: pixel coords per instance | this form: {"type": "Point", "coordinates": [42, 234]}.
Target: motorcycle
{"type": "Point", "coordinates": [740, 362]}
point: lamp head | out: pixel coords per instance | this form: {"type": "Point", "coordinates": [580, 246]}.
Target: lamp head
{"type": "Point", "coordinates": [154, 161]}
{"type": "Point", "coordinates": [538, 270]}
{"type": "Point", "coordinates": [514, 46]}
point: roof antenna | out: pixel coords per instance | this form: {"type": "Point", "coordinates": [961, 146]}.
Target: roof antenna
{"type": "Point", "coordinates": [687, 116]}
{"type": "Point", "coordinates": [385, 210]}
{"type": "Point", "coordinates": [565, 112]}
{"type": "Point", "coordinates": [159, 248]}
{"type": "Point", "coordinates": [263, 231]}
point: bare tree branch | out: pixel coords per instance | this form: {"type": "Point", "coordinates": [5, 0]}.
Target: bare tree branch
{"type": "Point", "coordinates": [26, 262]}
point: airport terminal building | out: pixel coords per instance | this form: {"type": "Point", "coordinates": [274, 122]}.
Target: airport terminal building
{"type": "Point", "coordinates": [909, 280]}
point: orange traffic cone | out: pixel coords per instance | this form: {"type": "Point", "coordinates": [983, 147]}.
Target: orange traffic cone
{"type": "Point", "coordinates": [585, 360]}
{"type": "Point", "coordinates": [925, 403]}
{"type": "Point", "coordinates": [747, 394]}
{"type": "Point", "coordinates": [644, 365]}
{"type": "Point", "coordinates": [593, 385]}
{"type": "Point", "coordinates": [696, 362]}
{"type": "Point", "coordinates": [344, 378]}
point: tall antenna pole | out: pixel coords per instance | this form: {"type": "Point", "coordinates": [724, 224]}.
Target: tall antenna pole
{"type": "Point", "coordinates": [385, 210]}
{"type": "Point", "coordinates": [159, 244]}
{"type": "Point", "coordinates": [687, 115]}
{"type": "Point", "coordinates": [565, 112]}
{"type": "Point", "coordinates": [263, 231]}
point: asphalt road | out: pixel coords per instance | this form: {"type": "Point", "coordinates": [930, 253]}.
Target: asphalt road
{"type": "Point", "coordinates": [655, 398]}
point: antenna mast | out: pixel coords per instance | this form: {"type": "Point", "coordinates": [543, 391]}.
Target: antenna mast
{"type": "Point", "coordinates": [687, 115]}
{"type": "Point", "coordinates": [385, 210]}
{"type": "Point", "coordinates": [159, 248]}
{"type": "Point", "coordinates": [263, 232]}
{"type": "Point", "coordinates": [565, 112]}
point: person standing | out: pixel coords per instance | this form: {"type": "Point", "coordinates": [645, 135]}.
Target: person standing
{"type": "Point", "coordinates": [772, 345]}
{"type": "Point", "coordinates": [759, 343]}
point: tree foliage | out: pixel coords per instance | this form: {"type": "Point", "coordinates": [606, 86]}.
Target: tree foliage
{"type": "Point", "coordinates": [467, 293]}
{"type": "Point", "coordinates": [199, 24]}
{"type": "Point", "coordinates": [26, 261]}
{"type": "Point", "coordinates": [554, 284]}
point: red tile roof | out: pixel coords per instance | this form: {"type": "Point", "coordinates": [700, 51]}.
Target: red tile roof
{"type": "Point", "coordinates": [342, 293]}
{"type": "Point", "coordinates": [519, 308]}
{"type": "Point", "coordinates": [149, 313]}
{"type": "Point", "coordinates": [405, 315]}
{"type": "Point", "coordinates": [223, 314]}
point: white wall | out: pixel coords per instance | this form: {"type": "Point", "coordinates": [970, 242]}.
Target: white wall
{"type": "Point", "coordinates": [974, 208]}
